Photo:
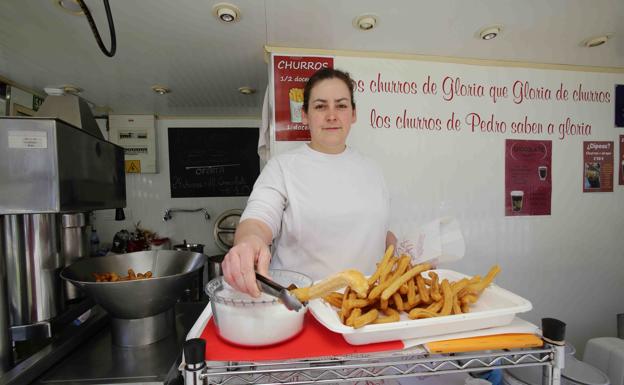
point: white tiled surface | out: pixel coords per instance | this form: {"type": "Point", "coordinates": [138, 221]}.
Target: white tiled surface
{"type": "Point", "coordinates": [148, 195]}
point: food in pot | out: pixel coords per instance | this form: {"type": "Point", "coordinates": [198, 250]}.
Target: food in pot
{"type": "Point", "coordinates": [398, 287]}
{"type": "Point", "coordinates": [114, 277]}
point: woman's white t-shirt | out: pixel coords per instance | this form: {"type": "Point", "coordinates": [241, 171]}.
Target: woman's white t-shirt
{"type": "Point", "coordinates": [327, 212]}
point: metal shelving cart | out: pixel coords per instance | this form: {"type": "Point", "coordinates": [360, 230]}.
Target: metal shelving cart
{"type": "Point", "coordinates": [375, 366]}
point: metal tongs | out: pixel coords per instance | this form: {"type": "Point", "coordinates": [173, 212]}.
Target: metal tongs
{"type": "Point", "coordinates": [276, 290]}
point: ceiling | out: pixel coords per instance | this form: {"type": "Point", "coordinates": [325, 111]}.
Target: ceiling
{"type": "Point", "coordinates": [180, 44]}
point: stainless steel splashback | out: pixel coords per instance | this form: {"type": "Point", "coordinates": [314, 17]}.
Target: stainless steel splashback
{"type": "Point", "coordinates": [50, 166]}
{"type": "Point", "coordinates": [74, 245]}
{"type": "Point", "coordinates": [6, 352]}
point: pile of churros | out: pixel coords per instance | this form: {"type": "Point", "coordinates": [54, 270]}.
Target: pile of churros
{"type": "Point", "coordinates": [296, 94]}
{"type": "Point", "coordinates": [114, 277]}
{"type": "Point", "coordinates": [397, 286]}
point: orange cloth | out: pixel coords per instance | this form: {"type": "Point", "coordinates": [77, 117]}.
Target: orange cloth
{"type": "Point", "coordinates": [493, 342]}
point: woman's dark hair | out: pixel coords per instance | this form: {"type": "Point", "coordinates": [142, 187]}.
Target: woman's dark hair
{"type": "Point", "coordinates": [327, 73]}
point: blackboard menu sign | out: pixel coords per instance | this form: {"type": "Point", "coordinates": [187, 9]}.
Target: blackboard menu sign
{"type": "Point", "coordinates": [213, 162]}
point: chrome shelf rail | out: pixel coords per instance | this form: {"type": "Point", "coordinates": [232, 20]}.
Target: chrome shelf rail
{"type": "Point", "coordinates": [377, 366]}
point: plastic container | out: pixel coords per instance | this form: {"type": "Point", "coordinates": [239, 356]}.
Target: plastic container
{"type": "Point", "coordinates": [243, 320]}
{"type": "Point", "coordinates": [607, 354]}
{"type": "Point", "coordinates": [495, 307]}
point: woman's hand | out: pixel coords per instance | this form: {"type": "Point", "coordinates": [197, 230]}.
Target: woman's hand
{"type": "Point", "coordinates": [249, 253]}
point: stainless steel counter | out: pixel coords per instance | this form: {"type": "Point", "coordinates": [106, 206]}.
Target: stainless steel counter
{"type": "Point", "coordinates": [100, 362]}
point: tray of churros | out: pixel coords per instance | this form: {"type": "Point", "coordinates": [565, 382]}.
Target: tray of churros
{"type": "Point", "coordinates": [403, 301]}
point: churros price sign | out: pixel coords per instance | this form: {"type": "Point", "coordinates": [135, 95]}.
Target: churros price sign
{"type": "Point", "coordinates": [598, 166]}
{"type": "Point", "coordinates": [528, 180]}
{"type": "Point", "coordinates": [290, 74]}
{"type": "Point", "coordinates": [621, 161]}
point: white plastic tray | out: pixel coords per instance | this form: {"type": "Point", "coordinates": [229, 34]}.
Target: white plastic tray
{"type": "Point", "coordinates": [495, 307]}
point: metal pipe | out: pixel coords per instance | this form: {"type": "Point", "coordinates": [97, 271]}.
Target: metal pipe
{"type": "Point", "coordinates": [74, 245]}
{"type": "Point", "coordinates": [551, 374]}
{"type": "Point", "coordinates": [168, 213]}
{"type": "Point", "coordinates": [6, 352]}
{"type": "Point", "coordinates": [194, 361]}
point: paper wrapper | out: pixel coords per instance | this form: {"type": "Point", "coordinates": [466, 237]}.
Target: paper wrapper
{"type": "Point", "coordinates": [438, 241]}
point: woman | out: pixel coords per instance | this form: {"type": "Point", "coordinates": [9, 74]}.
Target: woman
{"type": "Point", "coordinates": [323, 206]}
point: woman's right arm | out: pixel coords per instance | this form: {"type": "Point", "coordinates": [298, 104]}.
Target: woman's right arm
{"type": "Point", "coordinates": [250, 252]}
{"type": "Point", "coordinates": [260, 222]}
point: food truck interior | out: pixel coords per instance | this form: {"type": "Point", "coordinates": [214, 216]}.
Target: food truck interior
{"type": "Point", "coordinates": [132, 133]}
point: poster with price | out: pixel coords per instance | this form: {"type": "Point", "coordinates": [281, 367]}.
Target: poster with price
{"type": "Point", "coordinates": [621, 162]}
{"type": "Point", "coordinates": [528, 180]}
{"type": "Point", "coordinates": [598, 166]}
{"type": "Point", "coordinates": [290, 74]}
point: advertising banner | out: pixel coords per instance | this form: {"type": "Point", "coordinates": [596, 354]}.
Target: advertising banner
{"type": "Point", "coordinates": [621, 161]}
{"type": "Point", "coordinates": [528, 177]}
{"type": "Point", "coordinates": [290, 74]}
{"type": "Point", "coordinates": [597, 166]}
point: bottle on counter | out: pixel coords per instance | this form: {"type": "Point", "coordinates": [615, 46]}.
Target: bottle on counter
{"type": "Point", "coordinates": [94, 243]}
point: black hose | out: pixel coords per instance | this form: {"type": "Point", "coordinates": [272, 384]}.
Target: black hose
{"type": "Point", "coordinates": [111, 27]}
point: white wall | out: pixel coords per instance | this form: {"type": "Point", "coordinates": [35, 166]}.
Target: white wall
{"type": "Point", "coordinates": [148, 195]}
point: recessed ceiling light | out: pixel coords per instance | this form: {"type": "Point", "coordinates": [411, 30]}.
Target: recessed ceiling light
{"type": "Point", "coordinates": [69, 89]}
{"type": "Point", "coordinates": [70, 6]}
{"type": "Point", "coordinates": [247, 90]}
{"type": "Point", "coordinates": [161, 90]}
{"type": "Point", "coordinates": [225, 12]}
{"type": "Point", "coordinates": [63, 90]}
{"type": "Point", "coordinates": [596, 41]}
{"type": "Point", "coordinates": [489, 33]}
{"type": "Point", "coordinates": [53, 91]}
{"type": "Point", "coordinates": [365, 22]}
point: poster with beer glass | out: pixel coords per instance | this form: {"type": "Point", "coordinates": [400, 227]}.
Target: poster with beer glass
{"type": "Point", "coordinates": [528, 177]}
{"type": "Point", "coordinates": [598, 166]}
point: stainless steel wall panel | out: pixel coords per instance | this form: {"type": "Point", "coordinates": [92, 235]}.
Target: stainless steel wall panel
{"type": "Point", "coordinates": [91, 172]}
{"type": "Point", "coordinates": [74, 245]}
{"type": "Point", "coordinates": [27, 175]}
{"type": "Point", "coordinates": [33, 260]}
{"type": "Point", "coordinates": [65, 170]}
{"type": "Point", "coordinates": [6, 351]}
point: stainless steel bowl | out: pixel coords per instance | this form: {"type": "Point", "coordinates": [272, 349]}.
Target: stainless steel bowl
{"type": "Point", "coordinates": [172, 273]}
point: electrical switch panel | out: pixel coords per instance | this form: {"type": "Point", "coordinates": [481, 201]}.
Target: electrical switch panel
{"type": "Point", "coordinates": [137, 135]}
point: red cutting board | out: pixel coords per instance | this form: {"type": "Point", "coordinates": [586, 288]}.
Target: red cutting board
{"type": "Point", "coordinates": [314, 341]}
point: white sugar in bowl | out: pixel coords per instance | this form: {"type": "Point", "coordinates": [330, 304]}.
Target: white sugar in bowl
{"type": "Point", "coordinates": [243, 320]}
